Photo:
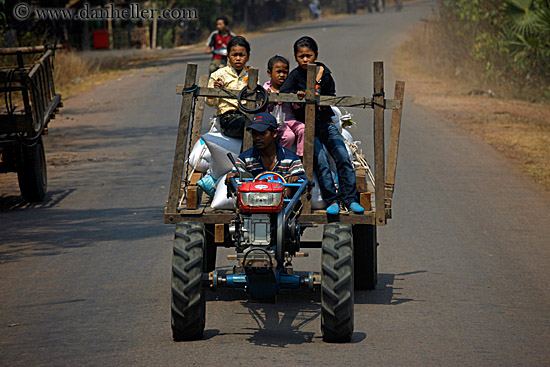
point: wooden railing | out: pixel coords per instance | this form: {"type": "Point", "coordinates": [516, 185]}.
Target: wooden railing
{"type": "Point", "coordinates": [36, 86]}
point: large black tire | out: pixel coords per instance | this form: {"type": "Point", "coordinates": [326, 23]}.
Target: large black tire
{"type": "Point", "coordinates": [337, 283]}
{"type": "Point", "coordinates": [31, 172]}
{"type": "Point", "coordinates": [365, 256]}
{"type": "Point", "coordinates": [211, 248]}
{"type": "Point", "coordinates": [188, 298]}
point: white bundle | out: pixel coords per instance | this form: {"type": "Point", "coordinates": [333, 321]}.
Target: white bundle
{"type": "Point", "coordinates": [200, 157]}
{"type": "Point", "coordinates": [317, 201]}
{"type": "Point", "coordinates": [219, 145]}
{"type": "Point", "coordinates": [220, 200]}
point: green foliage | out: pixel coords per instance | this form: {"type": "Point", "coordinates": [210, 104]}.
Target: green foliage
{"type": "Point", "coordinates": [508, 40]}
{"type": "Point", "coordinates": [168, 39]}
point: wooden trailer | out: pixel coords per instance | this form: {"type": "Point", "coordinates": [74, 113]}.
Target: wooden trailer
{"type": "Point", "coordinates": [30, 103]}
{"type": "Point", "coordinates": [186, 202]}
{"type": "Point", "coordinates": [195, 205]}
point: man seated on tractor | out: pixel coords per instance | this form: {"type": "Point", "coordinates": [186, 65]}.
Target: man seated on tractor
{"type": "Point", "coordinates": [267, 155]}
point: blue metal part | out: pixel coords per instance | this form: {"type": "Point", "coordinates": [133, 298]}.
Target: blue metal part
{"type": "Point", "coordinates": [288, 281]}
{"type": "Point", "coordinates": [238, 281]}
{"type": "Point", "coordinates": [263, 283]}
{"type": "Point", "coordinates": [290, 207]}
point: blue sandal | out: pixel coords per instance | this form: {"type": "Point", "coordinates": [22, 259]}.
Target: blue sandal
{"type": "Point", "coordinates": [356, 208]}
{"type": "Point", "coordinates": [333, 209]}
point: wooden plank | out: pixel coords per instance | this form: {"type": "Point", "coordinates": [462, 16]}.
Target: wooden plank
{"type": "Point", "coordinates": [361, 180]}
{"type": "Point", "coordinates": [309, 134]}
{"type": "Point", "coordinates": [195, 178]}
{"type": "Point", "coordinates": [199, 112]}
{"type": "Point", "coordinates": [197, 118]}
{"type": "Point", "coordinates": [319, 217]}
{"type": "Point", "coordinates": [379, 166]}
{"type": "Point", "coordinates": [395, 129]}
{"type": "Point", "coordinates": [181, 141]}
{"type": "Point", "coordinates": [24, 50]}
{"type": "Point", "coordinates": [364, 200]}
{"type": "Point", "coordinates": [45, 88]}
{"type": "Point", "coordinates": [252, 82]}
{"type": "Point", "coordinates": [49, 72]}
{"type": "Point", "coordinates": [33, 108]}
{"type": "Point", "coordinates": [193, 195]}
{"type": "Point", "coordinates": [49, 113]}
{"type": "Point", "coordinates": [339, 101]}
{"type": "Point", "coordinates": [219, 233]}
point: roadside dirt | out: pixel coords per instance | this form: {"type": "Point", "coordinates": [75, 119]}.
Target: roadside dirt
{"type": "Point", "coordinates": [519, 130]}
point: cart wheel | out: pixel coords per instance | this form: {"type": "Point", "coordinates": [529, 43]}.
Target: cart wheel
{"type": "Point", "coordinates": [364, 256]}
{"type": "Point", "coordinates": [337, 283]}
{"type": "Point", "coordinates": [188, 298]}
{"type": "Point", "coordinates": [31, 172]}
{"type": "Point", "coordinates": [211, 248]}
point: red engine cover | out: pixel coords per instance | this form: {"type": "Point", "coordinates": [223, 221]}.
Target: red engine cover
{"type": "Point", "coordinates": [261, 186]}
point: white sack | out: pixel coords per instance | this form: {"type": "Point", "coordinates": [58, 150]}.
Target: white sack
{"type": "Point", "coordinates": [219, 145]}
{"type": "Point", "coordinates": [200, 154]}
{"type": "Point", "coordinates": [221, 201]}
{"type": "Point", "coordinates": [317, 201]}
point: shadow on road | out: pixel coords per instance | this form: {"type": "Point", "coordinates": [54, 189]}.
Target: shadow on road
{"type": "Point", "coordinates": [386, 293]}
{"type": "Point", "coordinates": [16, 202]}
{"type": "Point", "coordinates": [50, 232]}
{"type": "Point", "coordinates": [280, 324]}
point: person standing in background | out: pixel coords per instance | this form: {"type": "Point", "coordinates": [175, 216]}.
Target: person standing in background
{"type": "Point", "coordinates": [217, 44]}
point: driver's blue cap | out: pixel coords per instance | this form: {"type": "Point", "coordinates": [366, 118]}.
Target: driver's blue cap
{"type": "Point", "coordinates": [262, 122]}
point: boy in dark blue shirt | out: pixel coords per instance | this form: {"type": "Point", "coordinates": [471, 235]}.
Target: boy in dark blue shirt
{"type": "Point", "coordinates": [306, 52]}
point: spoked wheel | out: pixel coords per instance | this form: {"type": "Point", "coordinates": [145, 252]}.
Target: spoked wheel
{"type": "Point", "coordinates": [365, 256]}
{"type": "Point", "coordinates": [188, 298]}
{"type": "Point", "coordinates": [337, 283]}
{"type": "Point", "coordinates": [31, 172]}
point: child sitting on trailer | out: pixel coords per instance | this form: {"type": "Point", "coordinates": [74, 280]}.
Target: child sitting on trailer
{"type": "Point", "coordinates": [326, 133]}
{"type": "Point", "coordinates": [290, 130]}
{"type": "Point", "coordinates": [233, 76]}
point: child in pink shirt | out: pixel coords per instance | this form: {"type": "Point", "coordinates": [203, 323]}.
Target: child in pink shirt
{"type": "Point", "coordinates": [292, 130]}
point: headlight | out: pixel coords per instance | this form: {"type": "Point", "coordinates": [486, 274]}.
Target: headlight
{"type": "Point", "coordinates": [258, 199]}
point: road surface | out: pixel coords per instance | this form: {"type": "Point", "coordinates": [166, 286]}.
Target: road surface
{"type": "Point", "coordinates": [85, 276]}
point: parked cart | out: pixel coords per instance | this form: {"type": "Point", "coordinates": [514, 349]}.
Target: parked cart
{"type": "Point", "coordinates": [30, 102]}
{"type": "Point", "coordinates": [264, 228]}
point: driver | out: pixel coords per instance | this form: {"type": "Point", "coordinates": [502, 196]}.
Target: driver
{"type": "Point", "coordinates": [267, 155]}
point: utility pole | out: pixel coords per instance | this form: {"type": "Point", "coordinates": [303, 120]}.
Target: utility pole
{"type": "Point", "coordinates": [155, 20]}
{"type": "Point", "coordinates": [110, 27]}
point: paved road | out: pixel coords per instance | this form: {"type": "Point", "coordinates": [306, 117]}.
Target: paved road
{"type": "Point", "coordinates": [84, 277]}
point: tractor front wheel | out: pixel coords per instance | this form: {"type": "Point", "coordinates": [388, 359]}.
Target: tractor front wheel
{"type": "Point", "coordinates": [337, 283]}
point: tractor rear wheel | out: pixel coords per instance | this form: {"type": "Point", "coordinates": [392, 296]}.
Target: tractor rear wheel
{"type": "Point", "coordinates": [211, 248]}
{"type": "Point", "coordinates": [337, 283]}
{"type": "Point", "coordinates": [364, 256]}
{"type": "Point", "coordinates": [31, 172]}
{"type": "Point", "coordinates": [188, 298]}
